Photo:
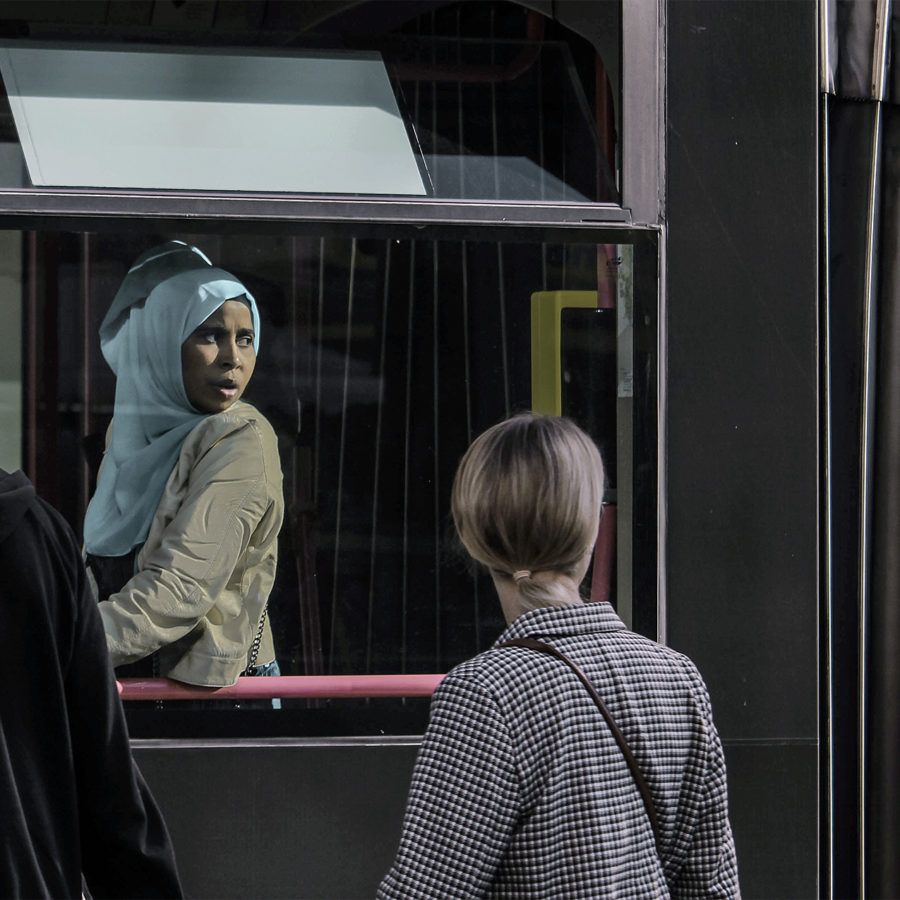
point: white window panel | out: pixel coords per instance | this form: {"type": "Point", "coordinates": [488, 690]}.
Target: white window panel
{"type": "Point", "coordinates": [309, 123]}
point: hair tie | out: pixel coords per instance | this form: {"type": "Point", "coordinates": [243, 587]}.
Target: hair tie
{"type": "Point", "coordinates": [521, 575]}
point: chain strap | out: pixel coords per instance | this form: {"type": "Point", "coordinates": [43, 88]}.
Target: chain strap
{"type": "Point", "coordinates": [254, 647]}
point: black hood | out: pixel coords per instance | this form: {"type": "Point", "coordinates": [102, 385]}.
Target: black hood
{"type": "Point", "coordinates": [16, 498]}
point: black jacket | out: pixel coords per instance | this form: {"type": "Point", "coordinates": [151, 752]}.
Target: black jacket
{"type": "Point", "coordinates": [71, 798]}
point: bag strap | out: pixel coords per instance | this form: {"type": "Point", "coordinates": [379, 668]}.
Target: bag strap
{"type": "Point", "coordinates": [639, 780]}
{"type": "Point", "coordinates": [254, 647]}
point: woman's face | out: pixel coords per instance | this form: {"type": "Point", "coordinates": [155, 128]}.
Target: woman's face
{"type": "Point", "coordinates": [218, 359]}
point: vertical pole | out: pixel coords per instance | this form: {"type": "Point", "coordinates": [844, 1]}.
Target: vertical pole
{"type": "Point", "coordinates": [86, 342]}
{"type": "Point", "coordinates": [342, 453]}
{"type": "Point", "coordinates": [382, 350]}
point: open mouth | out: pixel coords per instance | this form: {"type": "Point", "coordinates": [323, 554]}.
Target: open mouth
{"type": "Point", "coordinates": [228, 390]}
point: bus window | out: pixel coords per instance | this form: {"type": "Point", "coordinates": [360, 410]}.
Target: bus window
{"type": "Point", "coordinates": [475, 101]}
{"type": "Point", "coordinates": [380, 359]}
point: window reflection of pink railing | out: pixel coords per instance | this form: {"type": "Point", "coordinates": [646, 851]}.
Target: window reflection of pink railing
{"type": "Point", "coordinates": [302, 686]}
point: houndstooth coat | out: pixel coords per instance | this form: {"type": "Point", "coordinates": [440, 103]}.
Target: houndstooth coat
{"type": "Point", "coordinates": [519, 789]}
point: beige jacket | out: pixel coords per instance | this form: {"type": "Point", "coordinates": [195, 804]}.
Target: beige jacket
{"type": "Point", "coordinates": [206, 569]}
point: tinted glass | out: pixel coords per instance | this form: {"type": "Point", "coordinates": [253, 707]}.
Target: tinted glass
{"type": "Point", "coordinates": [380, 359]}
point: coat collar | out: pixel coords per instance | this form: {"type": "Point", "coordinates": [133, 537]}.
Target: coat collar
{"type": "Point", "coordinates": [570, 620]}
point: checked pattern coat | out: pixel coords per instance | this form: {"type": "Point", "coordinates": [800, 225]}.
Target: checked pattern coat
{"type": "Point", "coordinates": [519, 789]}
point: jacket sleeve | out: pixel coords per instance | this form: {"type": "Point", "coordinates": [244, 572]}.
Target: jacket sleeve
{"type": "Point", "coordinates": [125, 847]}
{"type": "Point", "coordinates": [709, 869]}
{"type": "Point", "coordinates": [463, 802]}
{"type": "Point", "coordinates": [180, 580]}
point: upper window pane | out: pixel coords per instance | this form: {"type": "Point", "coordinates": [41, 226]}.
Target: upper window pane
{"type": "Point", "coordinates": [478, 101]}
{"type": "Point", "coordinates": [208, 121]}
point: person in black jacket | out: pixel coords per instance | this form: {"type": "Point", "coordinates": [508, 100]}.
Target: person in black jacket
{"type": "Point", "coordinates": [73, 802]}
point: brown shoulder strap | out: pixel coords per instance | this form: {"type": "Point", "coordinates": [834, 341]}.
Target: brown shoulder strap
{"type": "Point", "coordinates": [639, 780]}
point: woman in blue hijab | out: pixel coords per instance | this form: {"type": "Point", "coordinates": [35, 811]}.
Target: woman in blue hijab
{"type": "Point", "coordinates": [181, 533]}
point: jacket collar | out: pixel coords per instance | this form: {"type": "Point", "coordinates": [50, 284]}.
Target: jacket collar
{"type": "Point", "coordinates": [570, 620]}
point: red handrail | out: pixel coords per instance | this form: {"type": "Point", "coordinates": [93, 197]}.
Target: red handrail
{"type": "Point", "coordinates": [303, 686]}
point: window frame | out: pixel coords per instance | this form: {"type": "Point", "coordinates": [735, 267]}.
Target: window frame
{"type": "Point", "coordinates": [637, 220]}
{"type": "Point", "coordinates": [641, 173]}
{"type": "Point", "coordinates": [393, 716]}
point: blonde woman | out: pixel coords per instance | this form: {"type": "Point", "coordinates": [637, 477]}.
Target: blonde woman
{"type": "Point", "coordinates": [521, 787]}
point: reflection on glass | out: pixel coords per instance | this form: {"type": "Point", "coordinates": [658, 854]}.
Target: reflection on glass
{"type": "Point", "coordinates": [503, 119]}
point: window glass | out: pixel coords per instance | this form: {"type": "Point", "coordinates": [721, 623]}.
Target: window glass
{"type": "Point", "coordinates": [380, 358]}
{"type": "Point", "coordinates": [11, 361]}
{"type": "Point", "coordinates": [478, 101]}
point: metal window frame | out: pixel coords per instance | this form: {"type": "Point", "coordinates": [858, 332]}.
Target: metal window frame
{"type": "Point", "coordinates": [642, 210]}
{"type": "Point", "coordinates": [643, 66]}
{"type": "Point", "coordinates": [642, 182]}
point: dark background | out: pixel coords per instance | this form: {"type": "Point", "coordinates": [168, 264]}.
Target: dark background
{"type": "Point", "coordinates": [742, 418]}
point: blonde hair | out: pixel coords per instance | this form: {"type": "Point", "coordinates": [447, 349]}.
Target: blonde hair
{"type": "Point", "coordinates": [526, 500]}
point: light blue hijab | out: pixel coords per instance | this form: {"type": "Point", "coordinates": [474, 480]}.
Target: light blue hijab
{"type": "Point", "coordinates": [168, 292]}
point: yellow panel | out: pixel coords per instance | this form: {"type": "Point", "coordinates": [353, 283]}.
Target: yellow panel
{"type": "Point", "coordinates": [546, 349]}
